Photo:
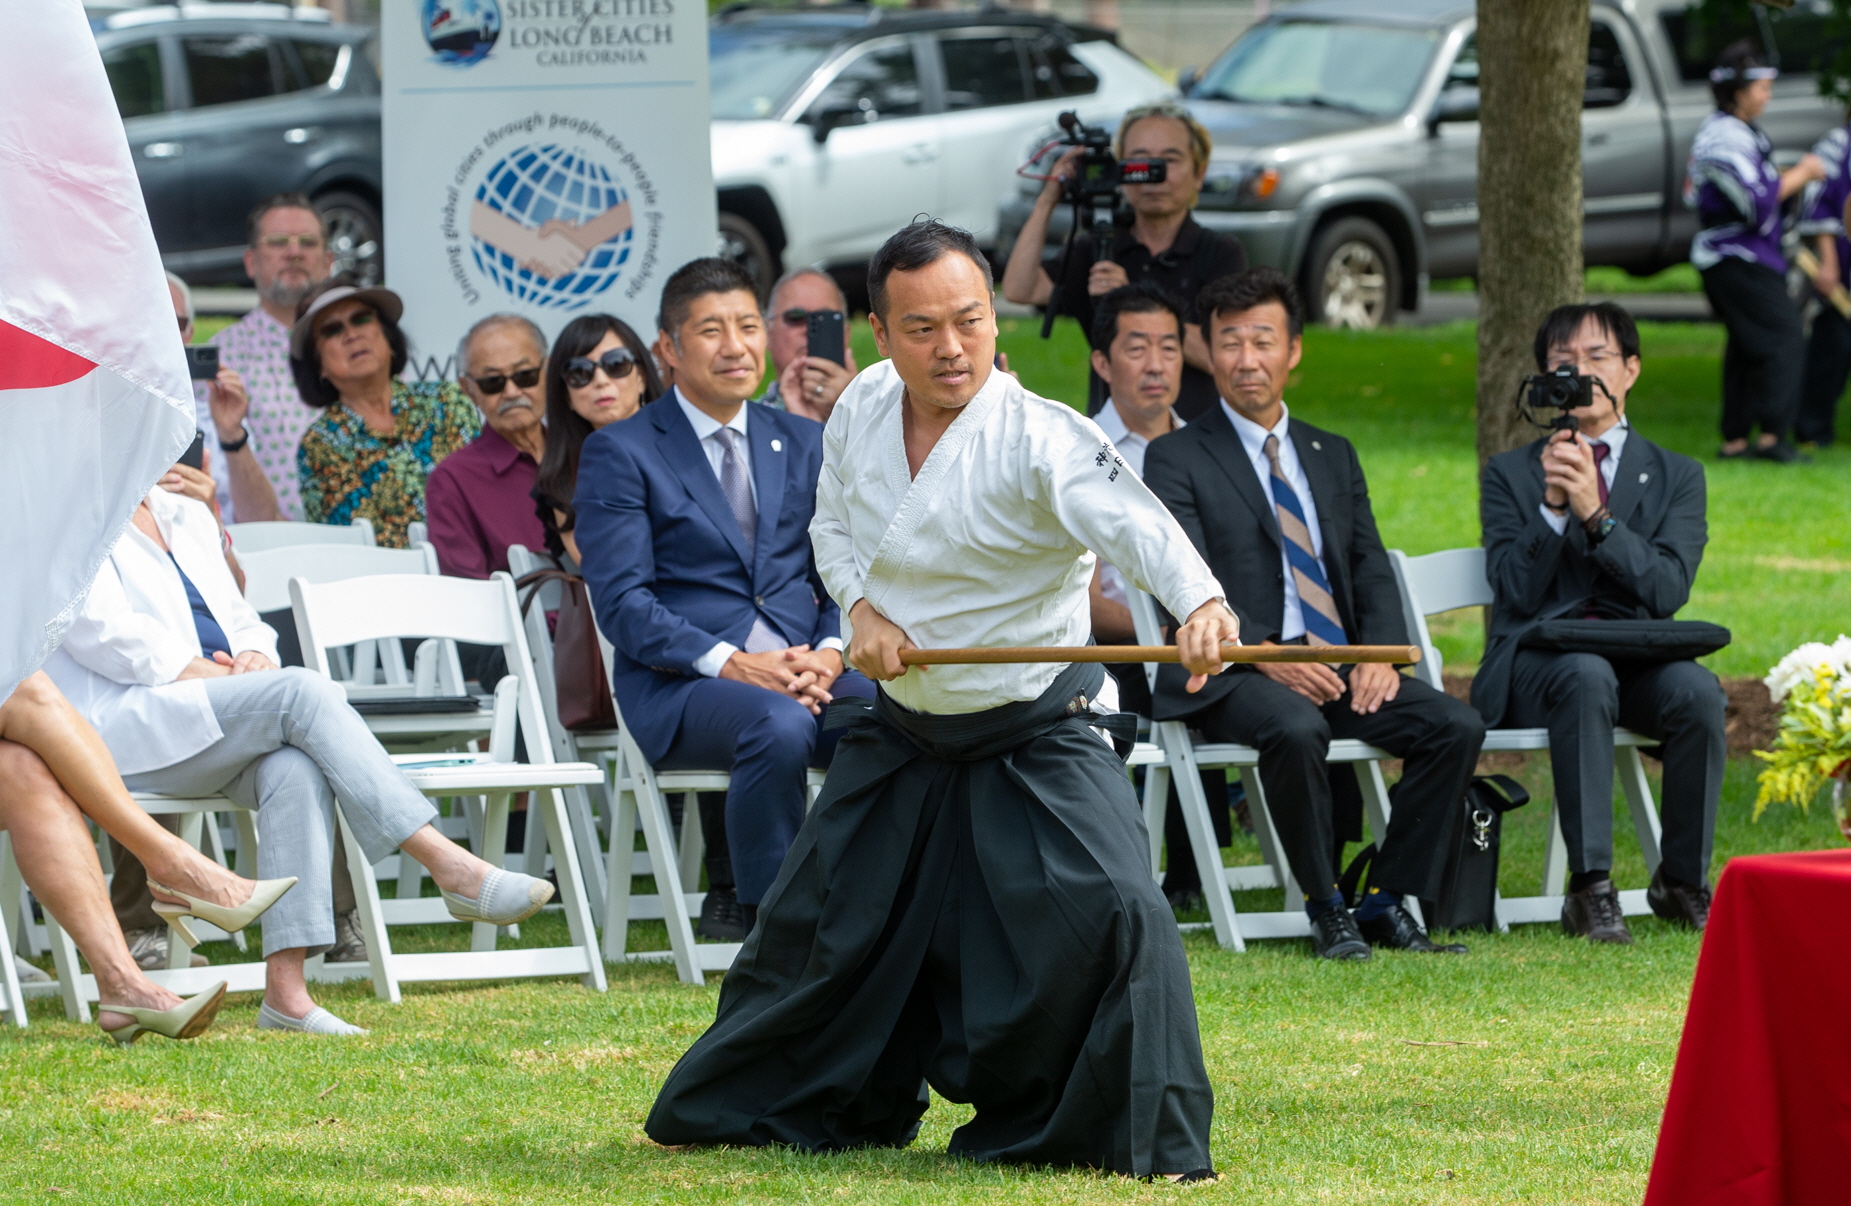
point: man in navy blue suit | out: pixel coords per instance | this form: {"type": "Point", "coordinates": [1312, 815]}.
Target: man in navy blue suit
{"type": "Point", "coordinates": [694, 538]}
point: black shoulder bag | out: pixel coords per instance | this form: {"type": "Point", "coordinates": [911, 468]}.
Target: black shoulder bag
{"type": "Point", "coordinates": [1468, 886]}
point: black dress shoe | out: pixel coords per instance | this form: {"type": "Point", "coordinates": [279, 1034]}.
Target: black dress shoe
{"type": "Point", "coordinates": [1184, 900]}
{"type": "Point", "coordinates": [1594, 913]}
{"type": "Point", "coordinates": [1334, 936]}
{"type": "Point", "coordinates": [723, 918]}
{"type": "Point", "coordinates": [1397, 930]}
{"type": "Point", "coordinates": [1678, 904]}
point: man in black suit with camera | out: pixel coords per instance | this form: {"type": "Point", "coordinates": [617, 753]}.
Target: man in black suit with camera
{"type": "Point", "coordinates": [1601, 523]}
{"type": "Point", "coordinates": [1280, 511]}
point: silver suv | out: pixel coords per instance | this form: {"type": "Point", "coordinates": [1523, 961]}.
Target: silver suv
{"type": "Point", "coordinates": [1346, 138]}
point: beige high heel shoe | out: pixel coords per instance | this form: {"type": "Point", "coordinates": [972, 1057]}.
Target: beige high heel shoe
{"type": "Point", "coordinates": [189, 1019]}
{"type": "Point", "coordinates": [266, 893]}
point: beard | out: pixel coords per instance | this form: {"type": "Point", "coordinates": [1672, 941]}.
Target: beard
{"type": "Point", "coordinates": [286, 293]}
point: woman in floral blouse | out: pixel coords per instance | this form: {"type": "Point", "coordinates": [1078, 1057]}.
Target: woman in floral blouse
{"type": "Point", "coordinates": [378, 439]}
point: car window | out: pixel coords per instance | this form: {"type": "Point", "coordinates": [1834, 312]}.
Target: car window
{"type": "Point", "coordinates": [755, 71]}
{"type": "Point", "coordinates": [1370, 69]}
{"type": "Point", "coordinates": [1805, 38]}
{"type": "Point", "coordinates": [135, 77]}
{"type": "Point", "coordinates": [1464, 71]}
{"type": "Point", "coordinates": [1608, 81]}
{"type": "Point", "coordinates": [318, 61]}
{"type": "Point", "coordinates": [982, 72]}
{"type": "Point", "coordinates": [234, 67]}
{"type": "Point", "coordinates": [1054, 72]}
{"type": "Point", "coordinates": [882, 83]}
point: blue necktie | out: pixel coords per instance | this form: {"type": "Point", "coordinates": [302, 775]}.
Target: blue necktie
{"type": "Point", "coordinates": [1322, 625]}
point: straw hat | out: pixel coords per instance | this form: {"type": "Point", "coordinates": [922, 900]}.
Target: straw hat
{"type": "Point", "coordinates": [301, 336]}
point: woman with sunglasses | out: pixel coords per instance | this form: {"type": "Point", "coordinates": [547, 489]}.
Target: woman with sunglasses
{"type": "Point", "coordinates": [598, 372]}
{"type": "Point", "coordinates": [373, 450]}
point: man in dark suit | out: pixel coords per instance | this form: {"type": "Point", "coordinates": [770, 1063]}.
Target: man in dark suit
{"type": "Point", "coordinates": [694, 537]}
{"type": "Point", "coordinates": [1280, 510]}
{"type": "Point", "coordinates": [1602, 523]}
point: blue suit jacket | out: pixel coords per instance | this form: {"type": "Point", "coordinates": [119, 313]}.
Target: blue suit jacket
{"type": "Point", "coordinates": [665, 561]}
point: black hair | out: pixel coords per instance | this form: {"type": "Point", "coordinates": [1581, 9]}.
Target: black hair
{"type": "Point", "coordinates": [698, 278]}
{"type": "Point", "coordinates": [911, 248]}
{"type": "Point", "coordinates": [317, 390]}
{"type": "Point", "coordinates": [1736, 59]}
{"type": "Point", "coordinates": [1141, 297]}
{"type": "Point", "coordinates": [281, 201]}
{"type": "Point", "coordinates": [556, 481]}
{"type": "Point", "coordinates": [1254, 287]}
{"type": "Point", "coordinates": [1564, 321]}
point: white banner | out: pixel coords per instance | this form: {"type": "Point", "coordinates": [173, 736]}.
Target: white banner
{"type": "Point", "coordinates": [547, 157]}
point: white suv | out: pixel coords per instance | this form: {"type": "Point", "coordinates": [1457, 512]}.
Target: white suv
{"type": "Point", "coordinates": [834, 128]}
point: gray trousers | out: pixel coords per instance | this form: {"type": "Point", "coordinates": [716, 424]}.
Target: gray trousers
{"type": "Point", "coordinates": [1580, 698]}
{"type": "Point", "coordinates": [291, 746]}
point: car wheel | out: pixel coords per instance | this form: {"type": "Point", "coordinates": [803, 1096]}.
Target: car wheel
{"type": "Point", "coordinates": [1353, 278]}
{"type": "Point", "coordinates": [741, 243]}
{"type": "Point", "coordinates": [355, 236]}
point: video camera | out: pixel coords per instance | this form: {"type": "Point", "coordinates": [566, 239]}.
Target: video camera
{"type": "Point", "coordinates": [1562, 390]}
{"type": "Point", "coordinates": [1093, 192]}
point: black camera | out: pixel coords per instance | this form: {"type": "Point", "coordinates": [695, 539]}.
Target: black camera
{"type": "Point", "coordinates": [1562, 390]}
{"type": "Point", "coordinates": [1093, 192]}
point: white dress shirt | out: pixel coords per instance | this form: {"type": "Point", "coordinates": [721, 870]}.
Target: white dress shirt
{"type": "Point", "coordinates": [707, 430]}
{"type": "Point", "coordinates": [1615, 438]}
{"type": "Point", "coordinates": [989, 545]}
{"type": "Point", "coordinates": [134, 634]}
{"type": "Point", "coordinates": [1131, 447]}
{"type": "Point", "coordinates": [1253, 439]}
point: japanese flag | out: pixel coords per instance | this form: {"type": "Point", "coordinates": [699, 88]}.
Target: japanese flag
{"type": "Point", "coordinates": [95, 404]}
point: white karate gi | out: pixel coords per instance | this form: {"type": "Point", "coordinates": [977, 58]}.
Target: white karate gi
{"type": "Point", "coordinates": [990, 544]}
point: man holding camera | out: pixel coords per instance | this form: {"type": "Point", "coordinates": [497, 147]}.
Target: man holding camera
{"type": "Point", "coordinates": [1164, 244]}
{"type": "Point", "coordinates": [1601, 523]}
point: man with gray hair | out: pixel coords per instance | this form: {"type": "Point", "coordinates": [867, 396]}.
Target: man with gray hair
{"type": "Point", "coordinates": [288, 256]}
{"type": "Point", "coordinates": [806, 385]}
{"type": "Point", "coordinates": [478, 499]}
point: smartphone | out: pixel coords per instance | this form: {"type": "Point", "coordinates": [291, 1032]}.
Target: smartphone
{"type": "Point", "coordinates": [195, 455]}
{"type": "Point", "coordinates": [827, 336]}
{"type": "Point", "coordinates": [202, 363]}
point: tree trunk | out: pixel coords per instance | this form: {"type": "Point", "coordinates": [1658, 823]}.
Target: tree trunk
{"type": "Point", "coordinates": [1532, 57]}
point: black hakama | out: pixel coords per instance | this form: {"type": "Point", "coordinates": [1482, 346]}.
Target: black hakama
{"type": "Point", "coordinates": [969, 906]}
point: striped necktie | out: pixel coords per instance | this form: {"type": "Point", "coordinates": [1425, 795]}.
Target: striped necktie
{"type": "Point", "coordinates": [1322, 627]}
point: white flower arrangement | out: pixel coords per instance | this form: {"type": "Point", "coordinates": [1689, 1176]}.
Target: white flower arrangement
{"type": "Point", "coordinates": [1813, 686]}
{"type": "Point", "coordinates": [1806, 661]}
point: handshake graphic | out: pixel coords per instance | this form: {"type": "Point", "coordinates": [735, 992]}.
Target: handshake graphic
{"type": "Point", "coordinates": [555, 248]}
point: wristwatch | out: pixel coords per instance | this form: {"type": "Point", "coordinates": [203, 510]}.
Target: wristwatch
{"type": "Point", "coordinates": [239, 446]}
{"type": "Point", "coordinates": [1601, 527]}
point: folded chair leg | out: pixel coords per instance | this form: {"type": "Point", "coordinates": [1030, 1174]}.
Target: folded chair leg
{"type": "Point", "coordinates": [667, 875]}
{"type": "Point", "coordinates": [482, 935]}
{"type": "Point", "coordinates": [1156, 801]}
{"type": "Point", "coordinates": [70, 971]}
{"type": "Point", "coordinates": [1631, 769]}
{"type": "Point", "coordinates": [693, 843]}
{"type": "Point", "coordinates": [1184, 771]}
{"type": "Point", "coordinates": [1270, 849]}
{"type": "Point", "coordinates": [12, 999]}
{"type": "Point", "coordinates": [1555, 862]}
{"type": "Point", "coordinates": [571, 882]}
{"type": "Point", "coordinates": [617, 873]}
{"type": "Point", "coordinates": [372, 916]}
{"type": "Point", "coordinates": [533, 840]}
{"type": "Point", "coordinates": [585, 843]}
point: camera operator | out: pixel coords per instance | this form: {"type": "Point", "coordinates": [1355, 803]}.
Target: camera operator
{"type": "Point", "coordinates": [1601, 523]}
{"type": "Point", "coordinates": [1164, 245]}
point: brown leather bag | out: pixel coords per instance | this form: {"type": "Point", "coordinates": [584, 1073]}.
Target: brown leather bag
{"type": "Point", "coordinates": [583, 691]}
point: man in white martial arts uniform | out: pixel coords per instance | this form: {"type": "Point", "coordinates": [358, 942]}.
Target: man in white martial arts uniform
{"type": "Point", "coordinates": [969, 906]}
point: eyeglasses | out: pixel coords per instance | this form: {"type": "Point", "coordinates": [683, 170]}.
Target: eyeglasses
{"type": "Point", "coordinates": [797, 316]}
{"type": "Point", "coordinates": [494, 383]}
{"type": "Point", "coordinates": [617, 364]}
{"type": "Point", "coordinates": [358, 320]}
{"type": "Point", "coordinates": [280, 242]}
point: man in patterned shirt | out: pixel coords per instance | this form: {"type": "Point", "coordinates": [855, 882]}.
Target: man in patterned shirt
{"type": "Point", "coordinates": [287, 257]}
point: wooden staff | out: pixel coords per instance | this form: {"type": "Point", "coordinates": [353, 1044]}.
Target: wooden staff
{"type": "Point", "coordinates": [1809, 264]}
{"type": "Point", "coordinates": [1231, 654]}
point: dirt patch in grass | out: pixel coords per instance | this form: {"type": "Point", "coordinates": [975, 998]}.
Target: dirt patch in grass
{"type": "Point", "coordinates": [1751, 719]}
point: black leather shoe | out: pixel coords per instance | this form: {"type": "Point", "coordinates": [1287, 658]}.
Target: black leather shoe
{"type": "Point", "coordinates": [1680, 905]}
{"type": "Point", "coordinates": [1334, 936]}
{"type": "Point", "coordinates": [1594, 913]}
{"type": "Point", "coordinates": [1184, 900]}
{"type": "Point", "coordinates": [1397, 930]}
{"type": "Point", "coordinates": [723, 917]}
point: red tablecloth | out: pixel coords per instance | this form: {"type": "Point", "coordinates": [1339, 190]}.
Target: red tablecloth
{"type": "Point", "coordinates": [1760, 1105]}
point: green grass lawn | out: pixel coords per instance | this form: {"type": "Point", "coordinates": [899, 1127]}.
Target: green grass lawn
{"type": "Point", "coordinates": [1531, 1071]}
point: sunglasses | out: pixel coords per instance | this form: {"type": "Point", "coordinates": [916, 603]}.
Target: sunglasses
{"type": "Point", "coordinates": [282, 242]}
{"type": "Point", "coordinates": [494, 383]}
{"type": "Point", "coordinates": [617, 364]}
{"type": "Point", "coordinates": [358, 320]}
{"type": "Point", "coordinates": [797, 316]}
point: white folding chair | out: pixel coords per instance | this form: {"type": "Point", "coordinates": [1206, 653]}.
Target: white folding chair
{"type": "Point", "coordinates": [485, 613]}
{"type": "Point", "coordinates": [1455, 578]}
{"type": "Point", "coordinates": [417, 532]}
{"type": "Point", "coordinates": [12, 995]}
{"type": "Point", "coordinates": [276, 534]}
{"type": "Point", "coordinates": [1183, 757]}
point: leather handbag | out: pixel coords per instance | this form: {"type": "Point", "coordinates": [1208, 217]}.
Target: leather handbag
{"type": "Point", "coordinates": [582, 691]}
{"type": "Point", "coordinates": [1468, 884]}
{"type": "Point", "coordinates": [1649, 641]}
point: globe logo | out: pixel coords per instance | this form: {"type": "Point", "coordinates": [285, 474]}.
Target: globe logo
{"type": "Point", "coordinates": [550, 226]}
{"type": "Point", "coordinates": [461, 32]}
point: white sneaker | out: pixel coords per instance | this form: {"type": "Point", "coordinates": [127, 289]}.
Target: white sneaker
{"type": "Point", "coordinates": [505, 898]}
{"type": "Point", "coordinates": [349, 943]}
{"type": "Point", "coordinates": [317, 1021]}
{"type": "Point", "coordinates": [149, 949]}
